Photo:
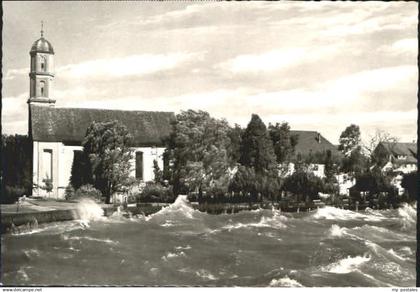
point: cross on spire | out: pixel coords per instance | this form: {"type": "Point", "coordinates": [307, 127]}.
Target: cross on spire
{"type": "Point", "coordinates": [42, 28]}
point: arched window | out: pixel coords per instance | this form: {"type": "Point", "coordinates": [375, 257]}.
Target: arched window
{"type": "Point", "coordinates": [43, 63]}
{"type": "Point", "coordinates": [42, 88]}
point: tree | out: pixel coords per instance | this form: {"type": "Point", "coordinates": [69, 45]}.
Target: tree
{"type": "Point", "coordinates": [246, 180]}
{"type": "Point", "coordinates": [257, 148]}
{"type": "Point", "coordinates": [304, 185]}
{"type": "Point", "coordinates": [81, 172]}
{"type": "Point", "coordinates": [157, 172]}
{"type": "Point", "coordinates": [349, 140]}
{"type": "Point", "coordinates": [356, 163]}
{"type": "Point", "coordinates": [410, 184]}
{"type": "Point", "coordinates": [235, 136]}
{"type": "Point", "coordinates": [198, 149]}
{"type": "Point", "coordinates": [284, 143]}
{"type": "Point", "coordinates": [16, 159]}
{"type": "Point", "coordinates": [107, 146]}
{"type": "Point", "coordinates": [374, 140]}
{"type": "Point", "coordinates": [375, 183]}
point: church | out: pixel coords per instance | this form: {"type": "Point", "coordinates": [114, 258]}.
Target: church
{"type": "Point", "coordinates": [57, 133]}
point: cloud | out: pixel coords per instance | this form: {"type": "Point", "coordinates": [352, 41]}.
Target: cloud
{"type": "Point", "coordinates": [276, 60]}
{"type": "Point", "coordinates": [13, 73]}
{"type": "Point", "coordinates": [402, 46]}
{"type": "Point", "coordinates": [134, 65]}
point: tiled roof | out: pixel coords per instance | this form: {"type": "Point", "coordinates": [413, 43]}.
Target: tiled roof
{"type": "Point", "coordinates": [49, 124]}
{"type": "Point", "coordinates": [408, 149]}
{"type": "Point", "coordinates": [312, 141]}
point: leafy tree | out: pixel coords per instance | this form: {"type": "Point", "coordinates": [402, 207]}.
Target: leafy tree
{"type": "Point", "coordinates": [410, 183]}
{"type": "Point", "coordinates": [330, 170]}
{"type": "Point", "coordinates": [356, 163]}
{"type": "Point", "coordinates": [107, 146]}
{"type": "Point", "coordinates": [81, 172]}
{"type": "Point", "coordinates": [16, 159]}
{"type": "Point", "coordinates": [373, 182]}
{"type": "Point", "coordinates": [198, 148]}
{"type": "Point", "coordinates": [235, 136]}
{"type": "Point", "coordinates": [349, 140]}
{"type": "Point", "coordinates": [257, 148]}
{"type": "Point", "coordinates": [284, 143]}
{"type": "Point", "coordinates": [304, 185]}
{"type": "Point", "coordinates": [247, 180]}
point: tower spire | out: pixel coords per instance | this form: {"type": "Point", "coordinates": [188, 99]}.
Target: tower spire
{"type": "Point", "coordinates": [42, 28]}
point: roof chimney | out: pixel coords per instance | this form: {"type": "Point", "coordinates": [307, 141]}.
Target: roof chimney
{"type": "Point", "coordinates": [318, 138]}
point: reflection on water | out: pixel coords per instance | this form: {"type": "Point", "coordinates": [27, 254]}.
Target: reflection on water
{"type": "Point", "coordinates": [182, 246]}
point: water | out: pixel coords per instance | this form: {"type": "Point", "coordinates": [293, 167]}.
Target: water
{"type": "Point", "coordinates": [182, 246]}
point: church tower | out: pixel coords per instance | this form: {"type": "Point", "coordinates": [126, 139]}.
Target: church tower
{"type": "Point", "coordinates": [42, 72]}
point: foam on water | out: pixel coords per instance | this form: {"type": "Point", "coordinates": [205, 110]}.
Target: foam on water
{"type": "Point", "coordinates": [285, 282]}
{"type": "Point", "coordinates": [347, 265]}
{"type": "Point", "coordinates": [181, 207]}
{"type": "Point", "coordinates": [87, 210]}
{"type": "Point", "coordinates": [337, 231]}
{"type": "Point", "coordinates": [170, 255]}
{"type": "Point", "coordinates": [202, 273]}
{"type": "Point", "coordinates": [333, 213]}
{"type": "Point", "coordinates": [104, 240]}
{"type": "Point", "coordinates": [408, 214]}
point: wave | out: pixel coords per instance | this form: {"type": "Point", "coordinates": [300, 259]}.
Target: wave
{"type": "Point", "coordinates": [178, 209]}
{"type": "Point", "coordinates": [170, 255]}
{"type": "Point", "coordinates": [408, 214]}
{"type": "Point", "coordinates": [87, 210]}
{"type": "Point", "coordinates": [285, 282]}
{"type": "Point", "coordinates": [104, 240]}
{"type": "Point", "coordinates": [333, 213]}
{"type": "Point", "coordinates": [347, 265]}
{"type": "Point", "coordinates": [276, 221]}
{"type": "Point", "coordinates": [202, 273]}
{"type": "Point", "coordinates": [337, 231]}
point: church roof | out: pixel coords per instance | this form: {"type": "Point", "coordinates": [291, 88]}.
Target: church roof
{"type": "Point", "coordinates": [312, 142]}
{"type": "Point", "coordinates": [42, 46]}
{"type": "Point", "coordinates": [69, 125]}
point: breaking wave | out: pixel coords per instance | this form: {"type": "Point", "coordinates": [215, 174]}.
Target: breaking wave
{"type": "Point", "coordinates": [87, 210]}
{"type": "Point", "coordinates": [408, 213]}
{"type": "Point", "coordinates": [285, 282]}
{"type": "Point", "coordinates": [347, 265]}
{"type": "Point", "coordinates": [178, 209]}
{"type": "Point", "coordinates": [333, 213]}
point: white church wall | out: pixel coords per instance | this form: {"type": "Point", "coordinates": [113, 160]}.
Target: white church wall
{"type": "Point", "coordinates": [46, 163]}
{"type": "Point", "coordinates": [149, 154]}
{"type": "Point", "coordinates": [66, 156]}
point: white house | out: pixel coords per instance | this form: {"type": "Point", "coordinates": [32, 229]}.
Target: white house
{"type": "Point", "coordinates": [402, 157]}
{"type": "Point", "coordinates": [57, 133]}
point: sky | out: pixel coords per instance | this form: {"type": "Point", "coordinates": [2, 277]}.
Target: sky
{"type": "Point", "coordinates": [317, 65]}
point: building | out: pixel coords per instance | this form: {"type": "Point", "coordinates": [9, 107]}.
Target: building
{"type": "Point", "coordinates": [57, 133]}
{"type": "Point", "coordinates": [310, 146]}
{"type": "Point", "coordinates": [401, 157]}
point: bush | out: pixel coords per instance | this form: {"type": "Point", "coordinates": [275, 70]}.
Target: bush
{"type": "Point", "coordinates": [69, 192]}
{"type": "Point", "coordinates": [11, 194]}
{"type": "Point", "coordinates": [155, 192]}
{"type": "Point", "coordinates": [85, 191]}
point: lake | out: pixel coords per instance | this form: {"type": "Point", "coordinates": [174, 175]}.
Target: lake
{"type": "Point", "coordinates": [182, 246]}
